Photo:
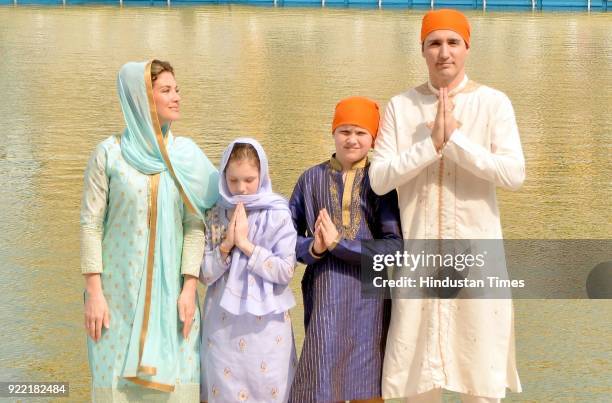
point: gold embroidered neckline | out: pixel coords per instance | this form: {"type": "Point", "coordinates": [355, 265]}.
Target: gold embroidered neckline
{"type": "Point", "coordinates": [337, 166]}
{"type": "Point", "coordinates": [346, 208]}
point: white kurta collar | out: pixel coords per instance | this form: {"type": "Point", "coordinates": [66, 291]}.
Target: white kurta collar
{"type": "Point", "coordinates": [454, 91]}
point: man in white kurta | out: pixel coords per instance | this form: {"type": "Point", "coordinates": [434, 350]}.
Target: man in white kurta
{"type": "Point", "coordinates": [445, 146]}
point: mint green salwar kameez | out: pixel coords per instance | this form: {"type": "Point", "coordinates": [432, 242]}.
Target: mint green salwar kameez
{"type": "Point", "coordinates": [141, 226]}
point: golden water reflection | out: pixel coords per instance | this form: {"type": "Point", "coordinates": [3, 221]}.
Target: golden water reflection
{"type": "Point", "coordinates": [276, 74]}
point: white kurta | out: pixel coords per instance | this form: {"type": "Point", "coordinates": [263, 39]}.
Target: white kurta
{"type": "Point", "coordinates": [461, 345]}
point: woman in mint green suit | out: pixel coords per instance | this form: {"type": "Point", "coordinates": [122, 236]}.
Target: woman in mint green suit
{"type": "Point", "coordinates": [144, 197]}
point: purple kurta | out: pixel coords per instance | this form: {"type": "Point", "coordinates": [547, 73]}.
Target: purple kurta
{"type": "Point", "coordinates": [345, 333]}
{"type": "Point", "coordinates": [248, 352]}
{"type": "Point", "coordinates": [246, 357]}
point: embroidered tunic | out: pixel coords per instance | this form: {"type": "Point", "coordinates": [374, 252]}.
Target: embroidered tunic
{"type": "Point", "coordinates": [114, 235]}
{"type": "Point", "coordinates": [461, 345]}
{"type": "Point", "coordinates": [246, 357]}
{"type": "Point", "coordinates": [345, 332]}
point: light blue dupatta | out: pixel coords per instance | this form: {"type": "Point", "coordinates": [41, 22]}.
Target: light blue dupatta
{"type": "Point", "coordinates": [152, 356]}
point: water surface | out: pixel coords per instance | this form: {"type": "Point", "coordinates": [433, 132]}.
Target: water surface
{"type": "Point", "coordinates": [276, 74]}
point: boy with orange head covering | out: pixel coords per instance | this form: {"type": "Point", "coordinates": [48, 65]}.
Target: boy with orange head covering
{"type": "Point", "coordinates": [357, 111]}
{"type": "Point", "coordinates": [333, 209]}
{"type": "Point", "coordinates": [445, 146]}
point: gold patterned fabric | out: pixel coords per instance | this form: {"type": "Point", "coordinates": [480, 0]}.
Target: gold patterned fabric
{"type": "Point", "coordinates": [346, 213]}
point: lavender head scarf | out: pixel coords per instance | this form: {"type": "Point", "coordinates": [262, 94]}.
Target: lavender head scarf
{"type": "Point", "coordinates": [271, 228]}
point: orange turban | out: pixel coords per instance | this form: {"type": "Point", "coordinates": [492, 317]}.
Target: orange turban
{"type": "Point", "coordinates": [446, 19]}
{"type": "Point", "coordinates": [358, 111]}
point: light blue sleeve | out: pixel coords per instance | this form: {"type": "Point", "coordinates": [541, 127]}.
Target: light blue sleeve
{"type": "Point", "coordinates": [213, 265]}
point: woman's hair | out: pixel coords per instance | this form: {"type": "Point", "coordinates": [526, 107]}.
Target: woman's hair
{"type": "Point", "coordinates": [158, 67]}
{"type": "Point", "coordinates": [244, 151]}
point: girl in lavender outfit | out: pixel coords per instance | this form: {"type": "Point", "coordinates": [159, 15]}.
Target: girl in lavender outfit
{"type": "Point", "coordinates": [248, 351]}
